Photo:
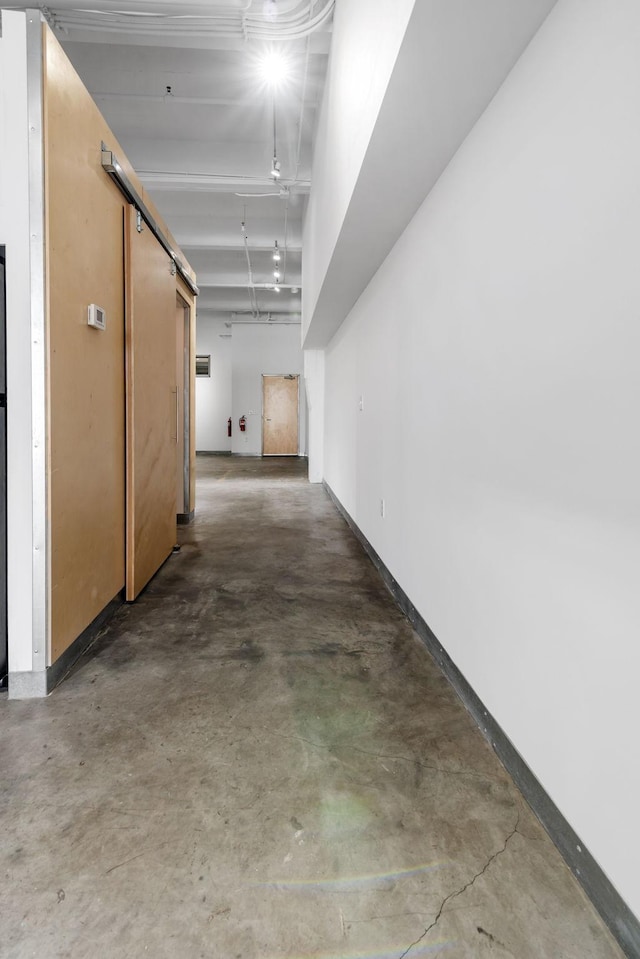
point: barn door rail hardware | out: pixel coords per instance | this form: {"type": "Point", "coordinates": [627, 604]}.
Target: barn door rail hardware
{"type": "Point", "coordinates": [113, 168]}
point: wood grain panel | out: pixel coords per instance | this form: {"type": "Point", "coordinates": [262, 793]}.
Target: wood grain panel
{"type": "Point", "coordinates": [181, 336]}
{"type": "Point", "coordinates": [86, 374]}
{"type": "Point", "coordinates": [86, 366]}
{"type": "Point", "coordinates": [280, 415]}
{"type": "Point", "coordinates": [190, 300]}
{"type": "Point", "coordinates": [151, 406]}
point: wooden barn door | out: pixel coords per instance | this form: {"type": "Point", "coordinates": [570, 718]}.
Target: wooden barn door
{"type": "Point", "coordinates": [152, 412]}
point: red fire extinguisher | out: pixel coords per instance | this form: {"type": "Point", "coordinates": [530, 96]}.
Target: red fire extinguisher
{"type": "Point", "coordinates": [229, 427]}
{"type": "Point", "coordinates": [243, 423]}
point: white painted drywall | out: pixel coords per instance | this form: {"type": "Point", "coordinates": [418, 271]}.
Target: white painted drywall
{"type": "Point", "coordinates": [213, 393]}
{"type": "Point", "coordinates": [14, 234]}
{"type": "Point", "coordinates": [452, 59]}
{"type": "Point", "coordinates": [496, 353]}
{"type": "Point", "coordinates": [259, 348]}
{"type": "Point", "coordinates": [314, 387]}
{"type": "Point", "coordinates": [364, 48]}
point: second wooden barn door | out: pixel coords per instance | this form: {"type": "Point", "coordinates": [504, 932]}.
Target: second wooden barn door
{"type": "Point", "coordinates": [151, 405]}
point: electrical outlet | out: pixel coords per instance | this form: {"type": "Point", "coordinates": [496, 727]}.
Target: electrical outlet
{"type": "Point", "coordinates": [382, 508]}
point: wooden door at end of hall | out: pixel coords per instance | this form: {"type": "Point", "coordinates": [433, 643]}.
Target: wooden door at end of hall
{"type": "Point", "coordinates": [280, 415]}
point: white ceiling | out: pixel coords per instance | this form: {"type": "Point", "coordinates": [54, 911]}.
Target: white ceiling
{"type": "Point", "coordinates": [179, 85]}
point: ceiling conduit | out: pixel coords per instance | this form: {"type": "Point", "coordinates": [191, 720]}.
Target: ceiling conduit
{"type": "Point", "coordinates": [292, 21]}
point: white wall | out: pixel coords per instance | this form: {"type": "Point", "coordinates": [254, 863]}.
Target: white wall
{"type": "Point", "coordinates": [259, 348]}
{"type": "Point", "coordinates": [496, 352]}
{"type": "Point", "coordinates": [364, 48]}
{"type": "Point", "coordinates": [314, 389]}
{"type": "Point", "coordinates": [213, 394]}
{"type": "Point", "coordinates": [405, 86]}
{"type": "Point", "coordinates": [14, 234]}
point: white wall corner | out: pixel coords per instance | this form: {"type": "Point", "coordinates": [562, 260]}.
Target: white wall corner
{"type": "Point", "coordinates": [314, 385]}
{"type": "Point", "coordinates": [22, 233]}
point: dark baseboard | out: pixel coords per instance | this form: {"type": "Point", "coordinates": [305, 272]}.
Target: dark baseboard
{"type": "Point", "coordinates": [213, 452]}
{"type": "Point", "coordinates": [63, 665]}
{"type": "Point", "coordinates": [619, 918]}
{"type": "Point", "coordinates": [183, 519]}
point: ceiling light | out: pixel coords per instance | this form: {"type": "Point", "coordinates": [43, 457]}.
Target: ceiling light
{"type": "Point", "coordinates": [274, 68]}
{"type": "Point", "coordinates": [276, 253]}
{"type": "Point", "coordinates": [275, 168]}
{"type": "Point", "coordinates": [276, 274]}
{"type": "Point", "coordinates": [276, 288]}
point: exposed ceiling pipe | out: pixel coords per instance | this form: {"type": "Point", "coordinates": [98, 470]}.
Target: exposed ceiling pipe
{"type": "Point", "coordinates": [286, 242]}
{"type": "Point", "coordinates": [236, 25]}
{"type": "Point", "coordinates": [302, 105]}
{"type": "Point", "coordinates": [220, 182]}
{"type": "Point", "coordinates": [253, 299]}
{"type": "Point", "coordinates": [292, 319]}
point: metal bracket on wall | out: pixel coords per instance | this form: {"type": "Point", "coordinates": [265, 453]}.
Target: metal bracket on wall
{"type": "Point", "coordinates": [114, 169]}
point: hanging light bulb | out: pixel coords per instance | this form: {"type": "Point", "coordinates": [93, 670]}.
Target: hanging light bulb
{"type": "Point", "coordinates": [276, 253]}
{"type": "Point", "coordinates": [275, 168]}
{"type": "Point", "coordinates": [276, 274]}
{"type": "Point", "coordinates": [276, 288]}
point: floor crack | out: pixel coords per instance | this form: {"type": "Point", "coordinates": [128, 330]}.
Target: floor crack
{"type": "Point", "coordinates": [459, 892]}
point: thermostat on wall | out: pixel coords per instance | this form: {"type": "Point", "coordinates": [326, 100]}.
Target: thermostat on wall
{"type": "Point", "coordinates": [97, 317]}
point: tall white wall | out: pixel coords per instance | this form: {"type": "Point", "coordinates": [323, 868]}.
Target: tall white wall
{"type": "Point", "coordinates": [259, 348]}
{"type": "Point", "coordinates": [496, 354]}
{"type": "Point", "coordinates": [314, 388]}
{"type": "Point", "coordinates": [365, 44]}
{"type": "Point", "coordinates": [213, 393]}
{"type": "Point", "coordinates": [14, 234]}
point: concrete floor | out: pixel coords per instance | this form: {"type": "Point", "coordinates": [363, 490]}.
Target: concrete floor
{"type": "Point", "coordinates": [259, 759]}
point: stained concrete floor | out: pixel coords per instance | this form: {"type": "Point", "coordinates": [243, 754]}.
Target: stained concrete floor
{"type": "Point", "coordinates": [259, 760]}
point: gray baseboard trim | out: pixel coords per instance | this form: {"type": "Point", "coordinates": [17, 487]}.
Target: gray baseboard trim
{"type": "Point", "coordinates": [34, 685]}
{"type": "Point", "coordinates": [183, 519]}
{"type": "Point", "coordinates": [213, 452]}
{"type": "Point", "coordinates": [622, 922]}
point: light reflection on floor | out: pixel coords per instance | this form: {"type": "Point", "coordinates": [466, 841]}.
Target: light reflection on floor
{"type": "Point", "coordinates": [411, 951]}
{"type": "Point", "coordinates": [352, 882]}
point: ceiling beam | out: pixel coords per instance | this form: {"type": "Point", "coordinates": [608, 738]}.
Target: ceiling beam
{"type": "Point", "coordinates": [234, 248]}
{"type": "Point", "coordinates": [221, 183]}
{"type": "Point", "coordinates": [204, 101]}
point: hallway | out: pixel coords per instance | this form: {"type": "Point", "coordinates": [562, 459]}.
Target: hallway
{"type": "Point", "coordinates": [259, 760]}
